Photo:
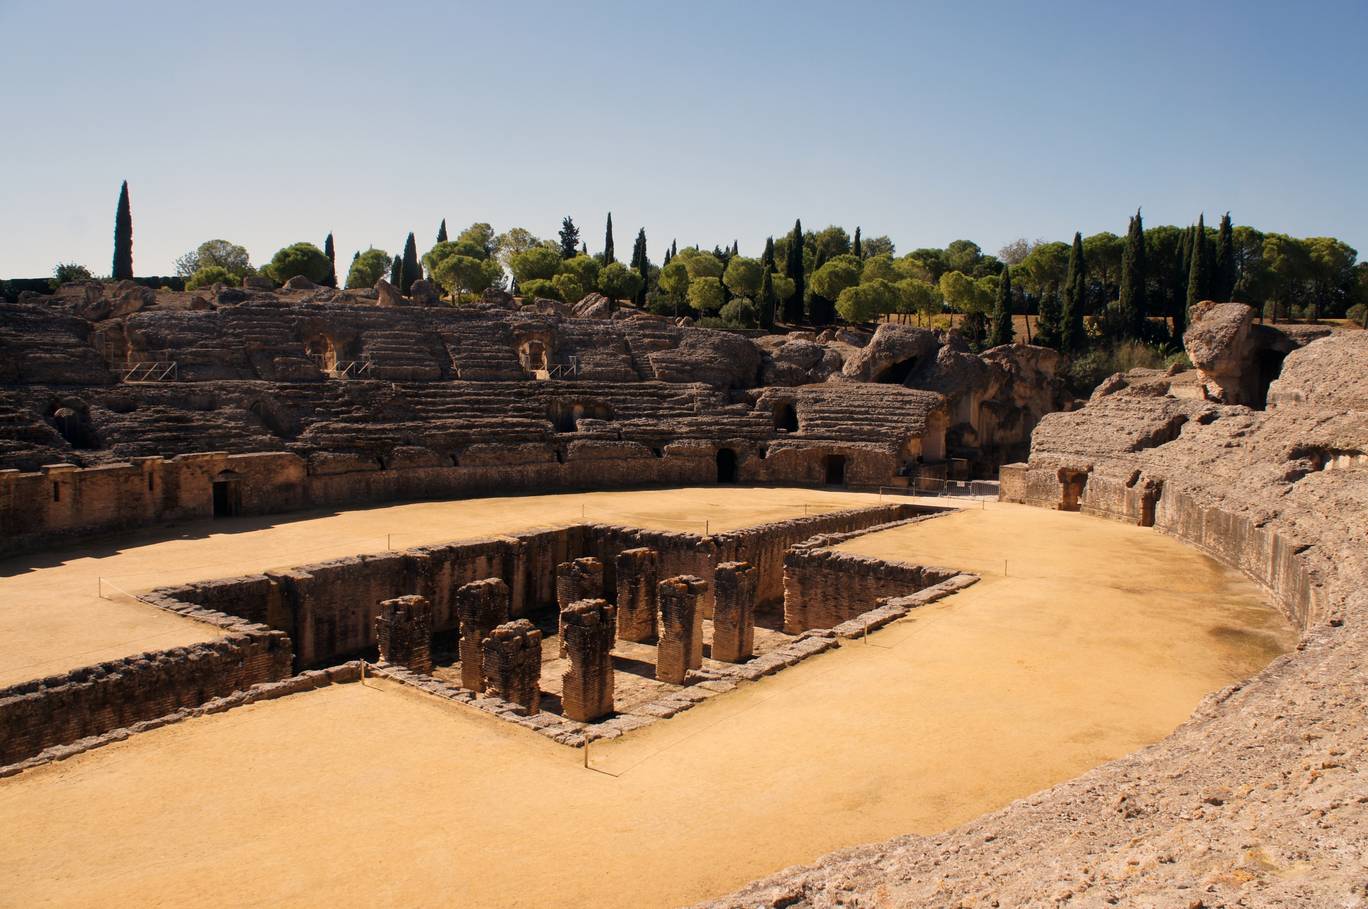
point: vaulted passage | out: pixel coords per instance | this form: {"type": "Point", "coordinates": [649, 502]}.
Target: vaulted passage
{"type": "Point", "coordinates": [227, 495]}
{"type": "Point", "coordinates": [726, 465]}
{"type": "Point", "coordinates": [835, 470]}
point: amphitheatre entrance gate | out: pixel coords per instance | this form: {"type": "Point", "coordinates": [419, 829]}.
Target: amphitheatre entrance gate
{"type": "Point", "coordinates": [227, 494]}
{"type": "Point", "coordinates": [835, 470]}
{"type": "Point", "coordinates": [726, 465]}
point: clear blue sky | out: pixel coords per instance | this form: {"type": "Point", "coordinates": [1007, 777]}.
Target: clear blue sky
{"type": "Point", "coordinates": [269, 123]}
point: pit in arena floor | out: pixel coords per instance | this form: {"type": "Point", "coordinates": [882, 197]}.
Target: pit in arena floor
{"type": "Point", "coordinates": [374, 792]}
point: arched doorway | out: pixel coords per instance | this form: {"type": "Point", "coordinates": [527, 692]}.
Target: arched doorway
{"type": "Point", "coordinates": [835, 470]}
{"type": "Point", "coordinates": [726, 465]}
{"type": "Point", "coordinates": [227, 494]}
{"type": "Point", "coordinates": [321, 350]}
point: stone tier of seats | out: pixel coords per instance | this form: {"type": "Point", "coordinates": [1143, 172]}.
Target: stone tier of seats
{"type": "Point", "coordinates": [43, 344]}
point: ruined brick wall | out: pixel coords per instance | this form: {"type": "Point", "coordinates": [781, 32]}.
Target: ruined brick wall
{"type": "Point", "coordinates": [589, 630]}
{"type": "Point", "coordinates": [96, 699]}
{"type": "Point", "coordinates": [824, 587]}
{"type": "Point", "coordinates": [512, 664]}
{"type": "Point", "coordinates": [765, 545]}
{"type": "Point", "coordinates": [404, 631]}
{"type": "Point", "coordinates": [734, 612]}
{"type": "Point", "coordinates": [681, 627]}
{"type": "Point", "coordinates": [637, 574]}
{"type": "Point", "coordinates": [483, 606]}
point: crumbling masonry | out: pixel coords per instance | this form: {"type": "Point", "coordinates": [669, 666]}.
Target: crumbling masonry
{"type": "Point", "coordinates": [512, 664]}
{"type": "Point", "coordinates": [638, 571]}
{"type": "Point", "coordinates": [581, 579]}
{"type": "Point", "coordinates": [483, 606]}
{"type": "Point", "coordinates": [588, 628]}
{"type": "Point", "coordinates": [734, 612]}
{"type": "Point", "coordinates": [404, 630]}
{"type": "Point", "coordinates": [681, 627]}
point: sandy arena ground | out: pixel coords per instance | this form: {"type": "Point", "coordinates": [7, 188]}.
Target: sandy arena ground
{"type": "Point", "coordinates": [53, 619]}
{"type": "Point", "coordinates": [1101, 638]}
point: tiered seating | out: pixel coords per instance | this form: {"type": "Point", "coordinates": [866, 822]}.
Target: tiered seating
{"type": "Point", "coordinates": [856, 412]}
{"type": "Point", "coordinates": [483, 352]}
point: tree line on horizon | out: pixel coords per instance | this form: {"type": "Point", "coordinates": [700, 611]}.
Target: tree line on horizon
{"type": "Point", "coordinates": [1100, 289]}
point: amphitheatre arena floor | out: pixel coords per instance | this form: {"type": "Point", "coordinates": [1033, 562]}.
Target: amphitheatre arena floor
{"type": "Point", "coordinates": [1100, 638]}
{"type": "Point", "coordinates": [53, 617]}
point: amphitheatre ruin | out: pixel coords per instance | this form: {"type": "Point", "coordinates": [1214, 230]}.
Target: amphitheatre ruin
{"type": "Point", "coordinates": [315, 595]}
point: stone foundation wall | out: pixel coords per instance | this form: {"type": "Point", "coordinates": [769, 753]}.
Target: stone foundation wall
{"type": "Point", "coordinates": [95, 699]}
{"type": "Point", "coordinates": [1267, 556]}
{"type": "Point", "coordinates": [765, 545]}
{"type": "Point", "coordinates": [824, 587]}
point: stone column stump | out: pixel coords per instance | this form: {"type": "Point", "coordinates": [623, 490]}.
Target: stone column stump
{"type": "Point", "coordinates": [734, 614]}
{"type": "Point", "coordinates": [404, 629]}
{"type": "Point", "coordinates": [638, 573]}
{"type": "Point", "coordinates": [512, 664]}
{"type": "Point", "coordinates": [681, 627]}
{"type": "Point", "coordinates": [482, 606]}
{"type": "Point", "coordinates": [581, 579]}
{"type": "Point", "coordinates": [588, 628]}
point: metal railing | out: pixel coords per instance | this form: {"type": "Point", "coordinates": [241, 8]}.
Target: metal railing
{"type": "Point", "coordinates": [351, 369]}
{"type": "Point", "coordinates": [564, 370]}
{"type": "Point", "coordinates": [155, 371]}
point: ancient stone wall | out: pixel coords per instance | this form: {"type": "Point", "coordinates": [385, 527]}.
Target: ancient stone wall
{"type": "Point", "coordinates": [825, 587]}
{"type": "Point", "coordinates": [95, 699]}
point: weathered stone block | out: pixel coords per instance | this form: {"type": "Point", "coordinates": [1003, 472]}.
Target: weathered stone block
{"type": "Point", "coordinates": [581, 579]}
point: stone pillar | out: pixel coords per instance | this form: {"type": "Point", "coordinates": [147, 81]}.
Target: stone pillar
{"type": "Point", "coordinates": [588, 629]}
{"type": "Point", "coordinates": [483, 606]}
{"type": "Point", "coordinates": [734, 614]}
{"type": "Point", "coordinates": [637, 575]}
{"type": "Point", "coordinates": [512, 664]}
{"type": "Point", "coordinates": [681, 627]}
{"type": "Point", "coordinates": [581, 579]}
{"type": "Point", "coordinates": [404, 627]}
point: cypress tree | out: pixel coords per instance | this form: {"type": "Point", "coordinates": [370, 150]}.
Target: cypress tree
{"type": "Point", "coordinates": [331, 252]}
{"type": "Point", "coordinates": [1048, 320]}
{"type": "Point", "coordinates": [767, 301]}
{"type": "Point", "coordinates": [410, 270]}
{"type": "Point", "coordinates": [123, 237]}
{"type": "Point", "coordinates": [584, 248]}
{"type": "Point", "coordinates": [608, 242]}
{"type": "Point", "coordinates": [1199, 269]}
{"type": "Point", "coordinates": [1224, 286]}
{"type": "Point", "coordinates": [569, 238]}
{"type": "Point", "coordinates": [643, 266]}
{"type": "Point", "coordinates": [1000, 331]}
{"type": "Point", "coordinates": [767, 257]}
{"type": "Point", "coordinates": [736, 248]}
{"type": "Point", "coordinates": [674, 248]}
{"type": "Point", "coordinates": [859, 247]}
{"type": "Point", "coordinates": [1072, 333]}
{"type": "Point", "coordinates": [793, 268]}
{"type": "Point", "coordinates": [1133, 277]}
{"type": "Point", "coordinates": [396, 270]}
{"type": "Point", "coordinates": [441, 232]}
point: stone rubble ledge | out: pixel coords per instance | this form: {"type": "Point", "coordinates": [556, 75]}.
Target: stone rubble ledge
{"type": "Point", "coordinates": [265, 691]}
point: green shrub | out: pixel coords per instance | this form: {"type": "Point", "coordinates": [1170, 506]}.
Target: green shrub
{"type": "Point", "coordinates": [210, 275]}
{"type": "Point", "coordinates": [299, 260]}
{"type": "Point", "coordinates": [539, 287]}
{"type": "Point", "coordinates": [741, 313]}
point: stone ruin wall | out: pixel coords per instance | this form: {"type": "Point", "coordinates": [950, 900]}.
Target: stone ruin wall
{"type": "Point", "coordinates": [824, 587]}
{"type": "Point", "coordinates": [95, 699]}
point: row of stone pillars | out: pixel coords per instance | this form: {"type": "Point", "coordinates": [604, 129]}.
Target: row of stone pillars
{"type": "Point", "coordinates": [503, 657]}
